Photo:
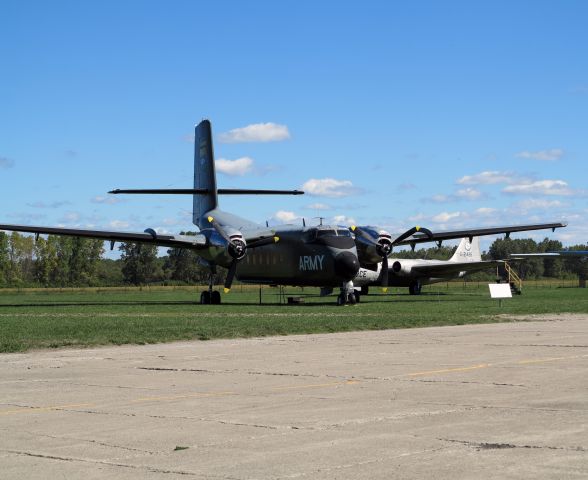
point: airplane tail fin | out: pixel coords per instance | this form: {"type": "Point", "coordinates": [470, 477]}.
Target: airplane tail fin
{"type": "Point", "coordinates": [467, 251]}
{"type": "Point", "coordinates": [204, 173]}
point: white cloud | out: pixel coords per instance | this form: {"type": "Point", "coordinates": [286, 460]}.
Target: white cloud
{"type": "Point", "coordinates": [540, 187]}
{"type": "Point", "coordinates": [485, 211]}
{"type": "Point", "coordinates": [118, 224]}
{"type": "Point", "coordinates": [539, 204]}
{"type": "Point", "coordinates": [329, 187]}
{"type": "Point", "coordinates": [285, 216]}
{"type": "Point", "coordinates": [445, 217]}
{"type": "Point", "coordinates": [238, 167]}
{"type": "Point", "coordinates": [318, 206]}
{"type": "Point", "coordinates": [48, 205]}
{"type": "Point", "coordinates": [469, 194]}
{"type": "Point", "coordinates": [486, 178]}
{"type": "Point", "coordinates": [343, 220]}
{"type": "Point", "coordinates": [71, 217]}
{"type": "Point", "coordinates": [110, 200]}
{"type": "Point", "coordinates": [257, 132]}
{"type": "Point", "coordinates": [463, 194]}
{"type": "Point", "coordinates": [544, 155]}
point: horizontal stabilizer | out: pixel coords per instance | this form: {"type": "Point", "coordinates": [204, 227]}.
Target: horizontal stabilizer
{"type": "Point", "coordinates": [204, 191]}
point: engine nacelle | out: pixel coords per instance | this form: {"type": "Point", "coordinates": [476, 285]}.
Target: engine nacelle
{"type": "Point", "coordinates": [401, 269]}
{"type": "Point", "coordinates": [222, 252]}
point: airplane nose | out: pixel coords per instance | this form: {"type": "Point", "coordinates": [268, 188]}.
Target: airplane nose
{"type": "Point", "coordinates": [346, 265]}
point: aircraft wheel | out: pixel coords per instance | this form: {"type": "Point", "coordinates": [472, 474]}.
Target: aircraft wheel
{"type": "Point", "coordinates": [351, 300]}
{"type": "Point", "coordinates": [357, 296]}
{"type": "Point", "coordinates": [415, 288]}
{"type": "Point", "coordinates": [341, 299]}
{"type": "Point", "coordinates": [215, 298]}
{"type": "Point", "coordinates": [365, 290]}
{"type": "Point", "coordinates": [205, 297]}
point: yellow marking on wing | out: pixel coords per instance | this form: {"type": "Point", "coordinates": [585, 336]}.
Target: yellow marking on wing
{"type": "Point", "coordinates": [210, 219]}
{"type": "Point", "coordinates": [227, 290]}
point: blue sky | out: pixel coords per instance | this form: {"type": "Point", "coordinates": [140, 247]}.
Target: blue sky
{"type": "Point", "coordinates": [442, 114]}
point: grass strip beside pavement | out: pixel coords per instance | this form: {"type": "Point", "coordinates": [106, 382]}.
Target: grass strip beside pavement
{"type": "Point", "coordinates": [40, 319]}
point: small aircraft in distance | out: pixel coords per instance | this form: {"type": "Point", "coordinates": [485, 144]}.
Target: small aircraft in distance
{"type": "Point", "coordinates": [413, 273]}
{"type": "Point", "coordinates": [321, 256]}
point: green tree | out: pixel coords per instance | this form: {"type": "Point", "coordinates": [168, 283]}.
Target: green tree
{"type": "Point", "coordinates": [4, 260]}
{"type": "Point", "coordinates": [20, 255]}
{"type": "Point", "coordinates": [46, 260]}
{"type": "Point", "coordinates": [139, 263]}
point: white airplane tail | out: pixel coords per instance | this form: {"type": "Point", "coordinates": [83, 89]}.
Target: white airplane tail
{"type": "Point", "coordinates": [467, 251]}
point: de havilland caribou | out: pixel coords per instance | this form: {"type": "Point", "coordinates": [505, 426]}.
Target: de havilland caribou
{"type": "Point", "coordinates": [324, 256]}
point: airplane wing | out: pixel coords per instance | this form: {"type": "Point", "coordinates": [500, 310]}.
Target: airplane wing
{"type": "Point", "coordinates": [148, 236]}
{"type": "Point", "coordinates": [560, 254]}
{"type": "Point", "coordinates": [419, 237]}
{"type": "Point", "coordinates": [449, 269]}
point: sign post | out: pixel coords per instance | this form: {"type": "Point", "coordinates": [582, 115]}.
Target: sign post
{"type": "Point", "coordinates": [500, 291]}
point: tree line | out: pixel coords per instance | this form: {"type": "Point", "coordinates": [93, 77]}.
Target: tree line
{"type": "Point", "coordinates": [60, 261]}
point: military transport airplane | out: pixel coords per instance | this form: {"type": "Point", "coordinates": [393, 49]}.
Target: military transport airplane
{"type": "Point", "coordinates": [413, 273]}
{"type": "Point", "coordinates": [321, 256]}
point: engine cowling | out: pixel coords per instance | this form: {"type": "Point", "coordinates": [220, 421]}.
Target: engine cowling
{"type": "Point", "coordinates": [401, 269]}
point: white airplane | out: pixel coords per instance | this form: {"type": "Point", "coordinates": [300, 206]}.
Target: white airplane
{"type": "Point", "coordinates": [416, 273]}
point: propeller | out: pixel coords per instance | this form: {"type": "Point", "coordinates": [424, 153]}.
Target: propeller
{"type": "Point", "coordinates": [384, 245]}
{"type": "Point", "coordinates": [237, 248]}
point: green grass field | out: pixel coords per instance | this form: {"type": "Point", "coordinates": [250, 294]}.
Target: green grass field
{"type": "Point", "coordinates": [37, 318]}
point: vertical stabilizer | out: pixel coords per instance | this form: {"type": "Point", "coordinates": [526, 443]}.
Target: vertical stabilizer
{"type": "Point", "coordinates": [467, 251]}
{"type": "Point", "coordinates": [204, 174]}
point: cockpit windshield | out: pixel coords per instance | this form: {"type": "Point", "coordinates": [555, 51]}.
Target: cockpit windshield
{"type": "Point", "coordinates": [330, 232]}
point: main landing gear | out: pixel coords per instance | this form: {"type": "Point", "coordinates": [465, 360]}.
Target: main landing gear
{"type": "Point", "coordinates": [348, 295]}
{"type": "Point", "coordinates": [415, 288]}
{"type": "Point", "coordinates": [210, 296]}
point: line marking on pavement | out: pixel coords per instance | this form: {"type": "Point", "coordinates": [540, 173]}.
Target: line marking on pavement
{"type": "Point", "coordinates": [449, 370]}
{"type": "Point", "coordinates": [289, 387]}
{"type": "Point", "coordinates": [488, 365]}
{"type": "Point", "coordinates": [44, 409]}
{"type": "Point", "coordinates": [316, 385]}
{"type": "Point", "coordinates": [185, 395]}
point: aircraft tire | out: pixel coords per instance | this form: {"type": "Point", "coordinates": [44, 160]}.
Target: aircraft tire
{"type": "Point", "coordinates": [357, 296]}
{"type": "Point", "coordinates": [205, 298]}
{"type": "Point", "coordinates": [351, 300]}
{"type": "Point", "coordinates": [341, 299]}
{"type": "Point", "coordinates": [215, 298]}
{"type": "Point", "coordinates": [415, 288]}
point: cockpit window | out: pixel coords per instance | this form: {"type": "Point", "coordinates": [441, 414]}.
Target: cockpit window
{"type": "Point", "coordinates": [325, 233]}
{"type": "Point", "coordinates": [343, 232]}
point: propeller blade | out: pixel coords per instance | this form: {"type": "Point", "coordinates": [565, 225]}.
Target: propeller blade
{"type": "Point", "coordinates": [263, 241]}
{"type": "Point", "coordinates": [231, 275]}
{"type": "Point", "coordinates": [412, 231]}
{"type": "Point", "coordinates": [219, 229]}
{"type": "Point", "coordinates": [384, 275]}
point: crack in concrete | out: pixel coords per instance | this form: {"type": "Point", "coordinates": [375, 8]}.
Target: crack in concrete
{"type": "Point", "coordinates": [466, 382]}
{"type": "Point", "coordinates": [496, 446]}
{"type": "Point", "coordinates": [97, 442]}
{"type": "Point", "coordinates": [504, 407]}
{"type": "Point", "coordinates": [247, 372]}
{"type": "Point", "coordinates": [102, 462]}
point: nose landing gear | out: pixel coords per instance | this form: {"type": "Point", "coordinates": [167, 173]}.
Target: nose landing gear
{"type": "Point", "coordinates": [347, 295]}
